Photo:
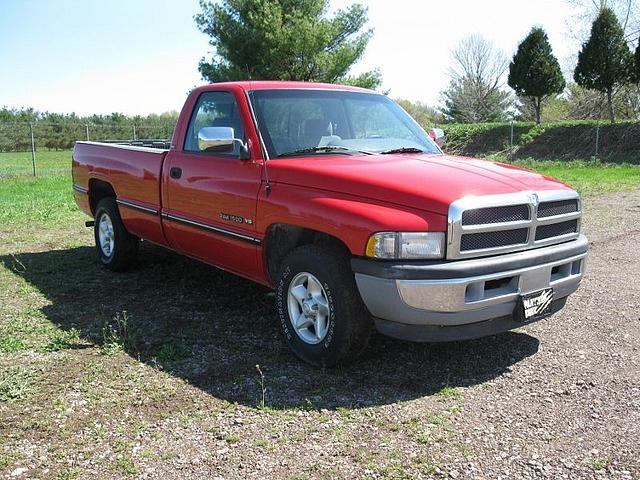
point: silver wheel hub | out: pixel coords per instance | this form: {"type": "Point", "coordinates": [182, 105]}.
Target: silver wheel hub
{"type": "Point", "coordinates": [308, 308]}
{"type": "Point", "coordinates": [106, 236]}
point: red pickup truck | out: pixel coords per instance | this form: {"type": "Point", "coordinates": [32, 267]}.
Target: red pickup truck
{"type": "Point", "coordinates": [336, 198]}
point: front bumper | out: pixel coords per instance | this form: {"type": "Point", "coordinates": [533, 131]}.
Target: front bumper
{"type": "Point", "coordinates": [441, 301]}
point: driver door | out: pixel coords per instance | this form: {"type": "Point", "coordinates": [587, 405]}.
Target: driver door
{"type": "Point", "coordinates": [210, 197]}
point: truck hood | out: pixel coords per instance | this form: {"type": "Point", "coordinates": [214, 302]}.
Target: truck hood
{"type": "Point", "coordinates": [426, 182]}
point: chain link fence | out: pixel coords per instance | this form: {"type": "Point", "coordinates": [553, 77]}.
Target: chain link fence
{"type": "Point", "coordinates": [41, 148]}
{"type": "Point", "coordinates": [565, 141]}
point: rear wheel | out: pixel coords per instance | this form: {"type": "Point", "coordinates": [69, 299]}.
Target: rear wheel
{"type": "Point", "coordinates": [116, 247]}
{"type": "Point", "coordinates": [323, 318]}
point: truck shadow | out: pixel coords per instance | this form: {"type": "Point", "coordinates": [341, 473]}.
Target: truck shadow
{"type": "Point", "coordinates": [212, 328]}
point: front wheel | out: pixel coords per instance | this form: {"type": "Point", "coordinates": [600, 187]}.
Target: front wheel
{"type": "Point", "coordinates": [322, 316]}
{"type": "Point", "coordinates": [115, 246]}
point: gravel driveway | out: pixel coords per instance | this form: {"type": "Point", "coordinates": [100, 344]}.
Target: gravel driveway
{"type": "Point", "coordinates": [559, 399]}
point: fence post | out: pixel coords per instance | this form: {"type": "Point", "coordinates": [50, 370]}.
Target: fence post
{"type": "Point", "coordinates": [86, 127]}
{"type": "Point", "coordinates": [134, 133]}
{"type": "Point", "coordinates": [597, 138]}
{"type": "Point", "coordinates": [511, 138]}
{"type": "Point", "coordinates": [33, 149]}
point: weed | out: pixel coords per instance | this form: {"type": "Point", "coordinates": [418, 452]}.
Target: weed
{"type": "Point", "coordinates": [171, 352]}
{"type": "Point", "coordinates": [449, 392]}
{"type": "Point", "coordinates": [62, 341]}
{"type": "Point", "coordinates": [599, 463]}
{"type": "Point", "coordinates": [232, 438]}
{"type": "Point", "coordinates": [424, 438]}
{"type": "Point", "coordinates": [148, 453]}
{"type": "Point", "coordinates": [59, 404]}
{"type": "Point", "coordinates": [68, 474]}
{"type": "Point", "coordinates": [116, 336]}
{"type": "Point", "coordinates": [262, 386]}
{"type": "Point", "coordinates": [11, 345]}
{"type": "Point", "coordinates": [425, 465]}
{"type": "Point", "coordinates": [344, 412]}
{"type": "Point", "coordinates": [261, 442]}
{"type": "Point", "coordinates": [15, 383]}
{"type": "Point", "coordinates": [467, 451]}
{"type": "Point", "coordinates": [125, 464]}
{"type": "Point", "coordinates": [7, 459]}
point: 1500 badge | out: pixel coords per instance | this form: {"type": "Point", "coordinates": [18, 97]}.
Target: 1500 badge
{"type": "Point", "coordinates": [227, 217]}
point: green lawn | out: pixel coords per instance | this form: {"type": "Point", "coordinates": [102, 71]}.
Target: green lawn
{"type": "Point", "coordinates": [48, 162]}
{"type": "Point", "coordinates": [43, 201]}
{"type": "Point", "coordinates": [589, 177]}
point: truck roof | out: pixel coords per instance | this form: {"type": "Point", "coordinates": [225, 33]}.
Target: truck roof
{"type": "Point", "coordinates": [278, 84]}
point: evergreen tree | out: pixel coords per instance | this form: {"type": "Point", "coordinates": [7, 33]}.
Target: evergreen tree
{"type": "Point", "coordinates": [534, 71]}
{"type": "Point", "coordinates": [605, 59]}
{"type": "Point", "coordinates": [466, 101]}
{"type": "Point", "coordinates": [284, 40]}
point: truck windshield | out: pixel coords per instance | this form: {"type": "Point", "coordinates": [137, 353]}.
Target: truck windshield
{"type": "Point", "coordinates": [320, 122]}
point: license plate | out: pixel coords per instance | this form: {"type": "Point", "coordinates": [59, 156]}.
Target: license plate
{"type": "Point", "coordinates": [534, 306]}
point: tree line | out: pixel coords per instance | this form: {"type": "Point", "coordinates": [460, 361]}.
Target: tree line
{"type": "Point", "coordinates": [297, 40]}
{"type": "Point", "coordinates": [56, 131]}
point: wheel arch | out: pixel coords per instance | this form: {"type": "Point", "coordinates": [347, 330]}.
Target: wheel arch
{"type": "Point", "coordinates": [99, 189]}
{"type": "Point", "coordinates": [282, 238]}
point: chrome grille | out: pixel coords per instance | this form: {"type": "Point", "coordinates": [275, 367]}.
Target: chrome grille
{"type": "Point", "coordinates": [560, 207]}
{"type": "Point", "coordinates": [494, 224]}
{"type": "Point", "coordinates": [509, 213]}
{"type": "Point", "coordinates": [479, 241]}
{"type": "Point", "coordinates": [556, 229]}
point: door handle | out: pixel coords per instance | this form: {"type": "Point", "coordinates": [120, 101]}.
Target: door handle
{"type": "Point", "coordinates": [175, 172]}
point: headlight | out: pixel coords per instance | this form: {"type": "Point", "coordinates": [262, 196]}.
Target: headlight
{"type": "Point", "coordinates": [408, 245]}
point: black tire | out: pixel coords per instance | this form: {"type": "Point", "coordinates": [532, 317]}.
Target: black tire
{"type": "Point", "coordinates": [125, 245]}
{"type": "Point", "coordinates": [349, 322]}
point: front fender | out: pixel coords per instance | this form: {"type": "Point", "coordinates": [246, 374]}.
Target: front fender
{"type": "Point", "coordinates": [349, 218]}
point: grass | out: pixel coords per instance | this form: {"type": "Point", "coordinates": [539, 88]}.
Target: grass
{"type": "Point", "coordinates": [48, 162]}
{"type": "Point", "coordinates": [42, 201]}
{"type": "Point", "coordinates": [589, 177]}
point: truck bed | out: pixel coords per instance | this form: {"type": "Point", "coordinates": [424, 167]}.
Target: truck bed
{"type": "Point", "coordinates": [133, 170]}
{"type": "Point", "coordinates": [147, 143]}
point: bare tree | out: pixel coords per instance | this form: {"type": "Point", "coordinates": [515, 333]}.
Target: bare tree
{"type": "Point", "coordinates": [476, 59]}
{"type": "Point", "coordinates": [585, 12]}
{"type": "Point", "coordinates": [477, 76]}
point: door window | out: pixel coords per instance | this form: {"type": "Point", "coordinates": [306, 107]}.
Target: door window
{"type": "Point", "coordinates": [214, 109]}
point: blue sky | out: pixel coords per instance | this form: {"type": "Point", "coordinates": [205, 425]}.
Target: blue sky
{"type": "Point", "coordinates": [141, 56]}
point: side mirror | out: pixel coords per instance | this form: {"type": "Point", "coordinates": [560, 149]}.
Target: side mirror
{"type": "Point", "coordinates": [220, 139]}
{"type": "Point", "coordinates": [437, 135]}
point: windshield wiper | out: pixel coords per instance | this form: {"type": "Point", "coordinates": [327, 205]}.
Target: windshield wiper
{"type": "Point", "coordinates": [326, 148]}
{"type": "Point", "coordinates": [402, 150]}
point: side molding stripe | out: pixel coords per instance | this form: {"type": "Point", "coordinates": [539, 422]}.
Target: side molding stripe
{"type": "Point", "coordinates": [211, 228]}
{"type": "Point", "coordinates": [79, 188]}
{"type": "Point", "coordinates": [136, 206]}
